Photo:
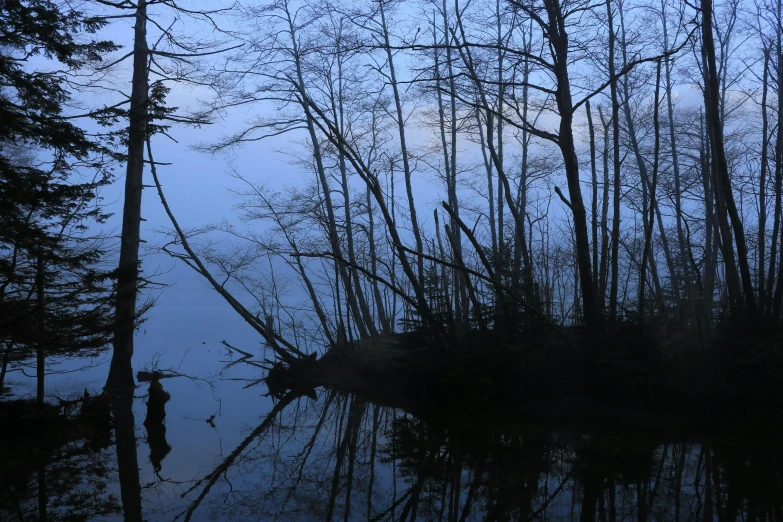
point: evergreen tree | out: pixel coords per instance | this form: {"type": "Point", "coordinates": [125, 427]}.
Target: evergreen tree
{"type": "Point", "coordinates": [55, 296]}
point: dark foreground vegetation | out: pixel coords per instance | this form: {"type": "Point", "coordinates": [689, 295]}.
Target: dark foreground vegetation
{"type": "Point", "coordinates": [629, 379]}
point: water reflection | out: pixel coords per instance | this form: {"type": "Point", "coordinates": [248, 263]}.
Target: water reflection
{"type": "Point", "coordinates": [154, 423]}
{"type": "Point", "coordinates": [342, 458]}
{"type": "Point", "coordinates": [54, 463]}
{"type": "Point", "coordinates": [345, 458]}
{"type": "Point", "coordinates": [127, 457]}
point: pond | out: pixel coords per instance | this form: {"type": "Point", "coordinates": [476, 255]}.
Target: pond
{"type": "Point", "coordinates": [225, 451]}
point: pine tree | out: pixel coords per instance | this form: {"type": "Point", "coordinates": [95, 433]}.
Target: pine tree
{"type": "Point", "coordinates": [55, 296]}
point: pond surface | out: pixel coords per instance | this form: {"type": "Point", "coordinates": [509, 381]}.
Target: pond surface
{"type": "Point", "coordinates": [226, 452]}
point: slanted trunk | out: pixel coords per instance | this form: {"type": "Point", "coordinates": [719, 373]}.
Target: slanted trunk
{"type": "Point", "coordinates": [366, 316]}
{"type": "Point", "coordinates": [650, 206]}
{"type": "Point", "coordinates": [444, 273]}
{"type": "Point", "coordinates": [643, 172]}
{"type": "Point", "coordinates": [447, 166]}
{"type": "Point", "coordinates": [462, 304]}
{"type": "Point", "coordinates": [316, 116]}
{"type": "Point", "coordinates": [462, 271]}
{"type": "Point", "coordinates": [312, 293]}
{"type": "Point", "coordinates": [490, 184]}
{"type": "Point", "coordinates": [467, 59]}
{"type": "Point", "coordinates": [380, 308]}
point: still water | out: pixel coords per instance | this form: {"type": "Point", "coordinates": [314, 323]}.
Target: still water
{"type": "Point", "coordinates": [227, 452]}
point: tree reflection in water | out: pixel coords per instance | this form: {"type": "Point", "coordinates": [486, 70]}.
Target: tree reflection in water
{"type": "Point", "coordinates": [342, 458]}
{"type": "Point", "coordinates": [155, 425]}
{"type": "Point", "coordinates": [55, 462]}
{"type": "Point", "coordinates": [127, 457]}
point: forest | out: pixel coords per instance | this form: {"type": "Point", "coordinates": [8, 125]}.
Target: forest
{"type": "Point", "coordinates": [567, 210]}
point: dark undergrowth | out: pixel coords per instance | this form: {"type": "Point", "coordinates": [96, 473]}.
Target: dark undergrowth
{"type": "Point", "coordinates": [654, 378]}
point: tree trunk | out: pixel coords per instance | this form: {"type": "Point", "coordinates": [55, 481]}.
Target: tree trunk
{"type": "Point", "coordinates": [710, 234]}
{"type": "Point", "coordinates": [43, 494]}
{"type": "Point", "coordinates": [654, 185]}
{"type": "Point", "coordinates": [499, 254]}
{"type": "Point", "coordinates": [366, 316]}
{"type": "Point", "coordinates": [334, 240]}
{"type": "Point", "coordinates": [40, 359]}
{"type": "Point", "coordinates": [604, 263]}
{"type": "Point", "coordinates": [594, 202]}
{"type": "Point", "coordinates": [4, 364]}
{"type": "Point", "coordinates": [778, 298]}
{"type": "Point", "coordinates": [643, 173]}
{"type": "Point", "coordinates": [312, 293]}
{"type": "Point", "coordinates": [466, 277]}
{"type": "Point", "coordinates": [403, 144]}
{"type": "Point", "coordinates": [521, 200]}
{"type": "Point", "coordinates": [447, 166]}
{"type": "Point", "coordinates": [462, 303]}
{"type": "Point", "coordinates": [559, 40]}
{"type": "Point", "coordinates": [615, 256]}
{"type": "Point", "coordinates": [121, 371]}
{"type": "Point", "coordinates": [778, 187]}
{"type": "Point", "coordinates": [467, 58]}
{"type": "Point", "coordinates": [762, 232]}
{"type": "Point", "coordinates": [444, 273]}
{"type": "Point", "coordinates": [678, 216]}
{"type": "Point", "coordinates": [386, 326]}
{"type": "Point", "coordinates": [490, 186]}
{"type": "Point", "coordinates": [312, 111]}
{"type": "Point", "coordinates": [724, 197]}
{"type": "Point", "coordinates": [653, 202]}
